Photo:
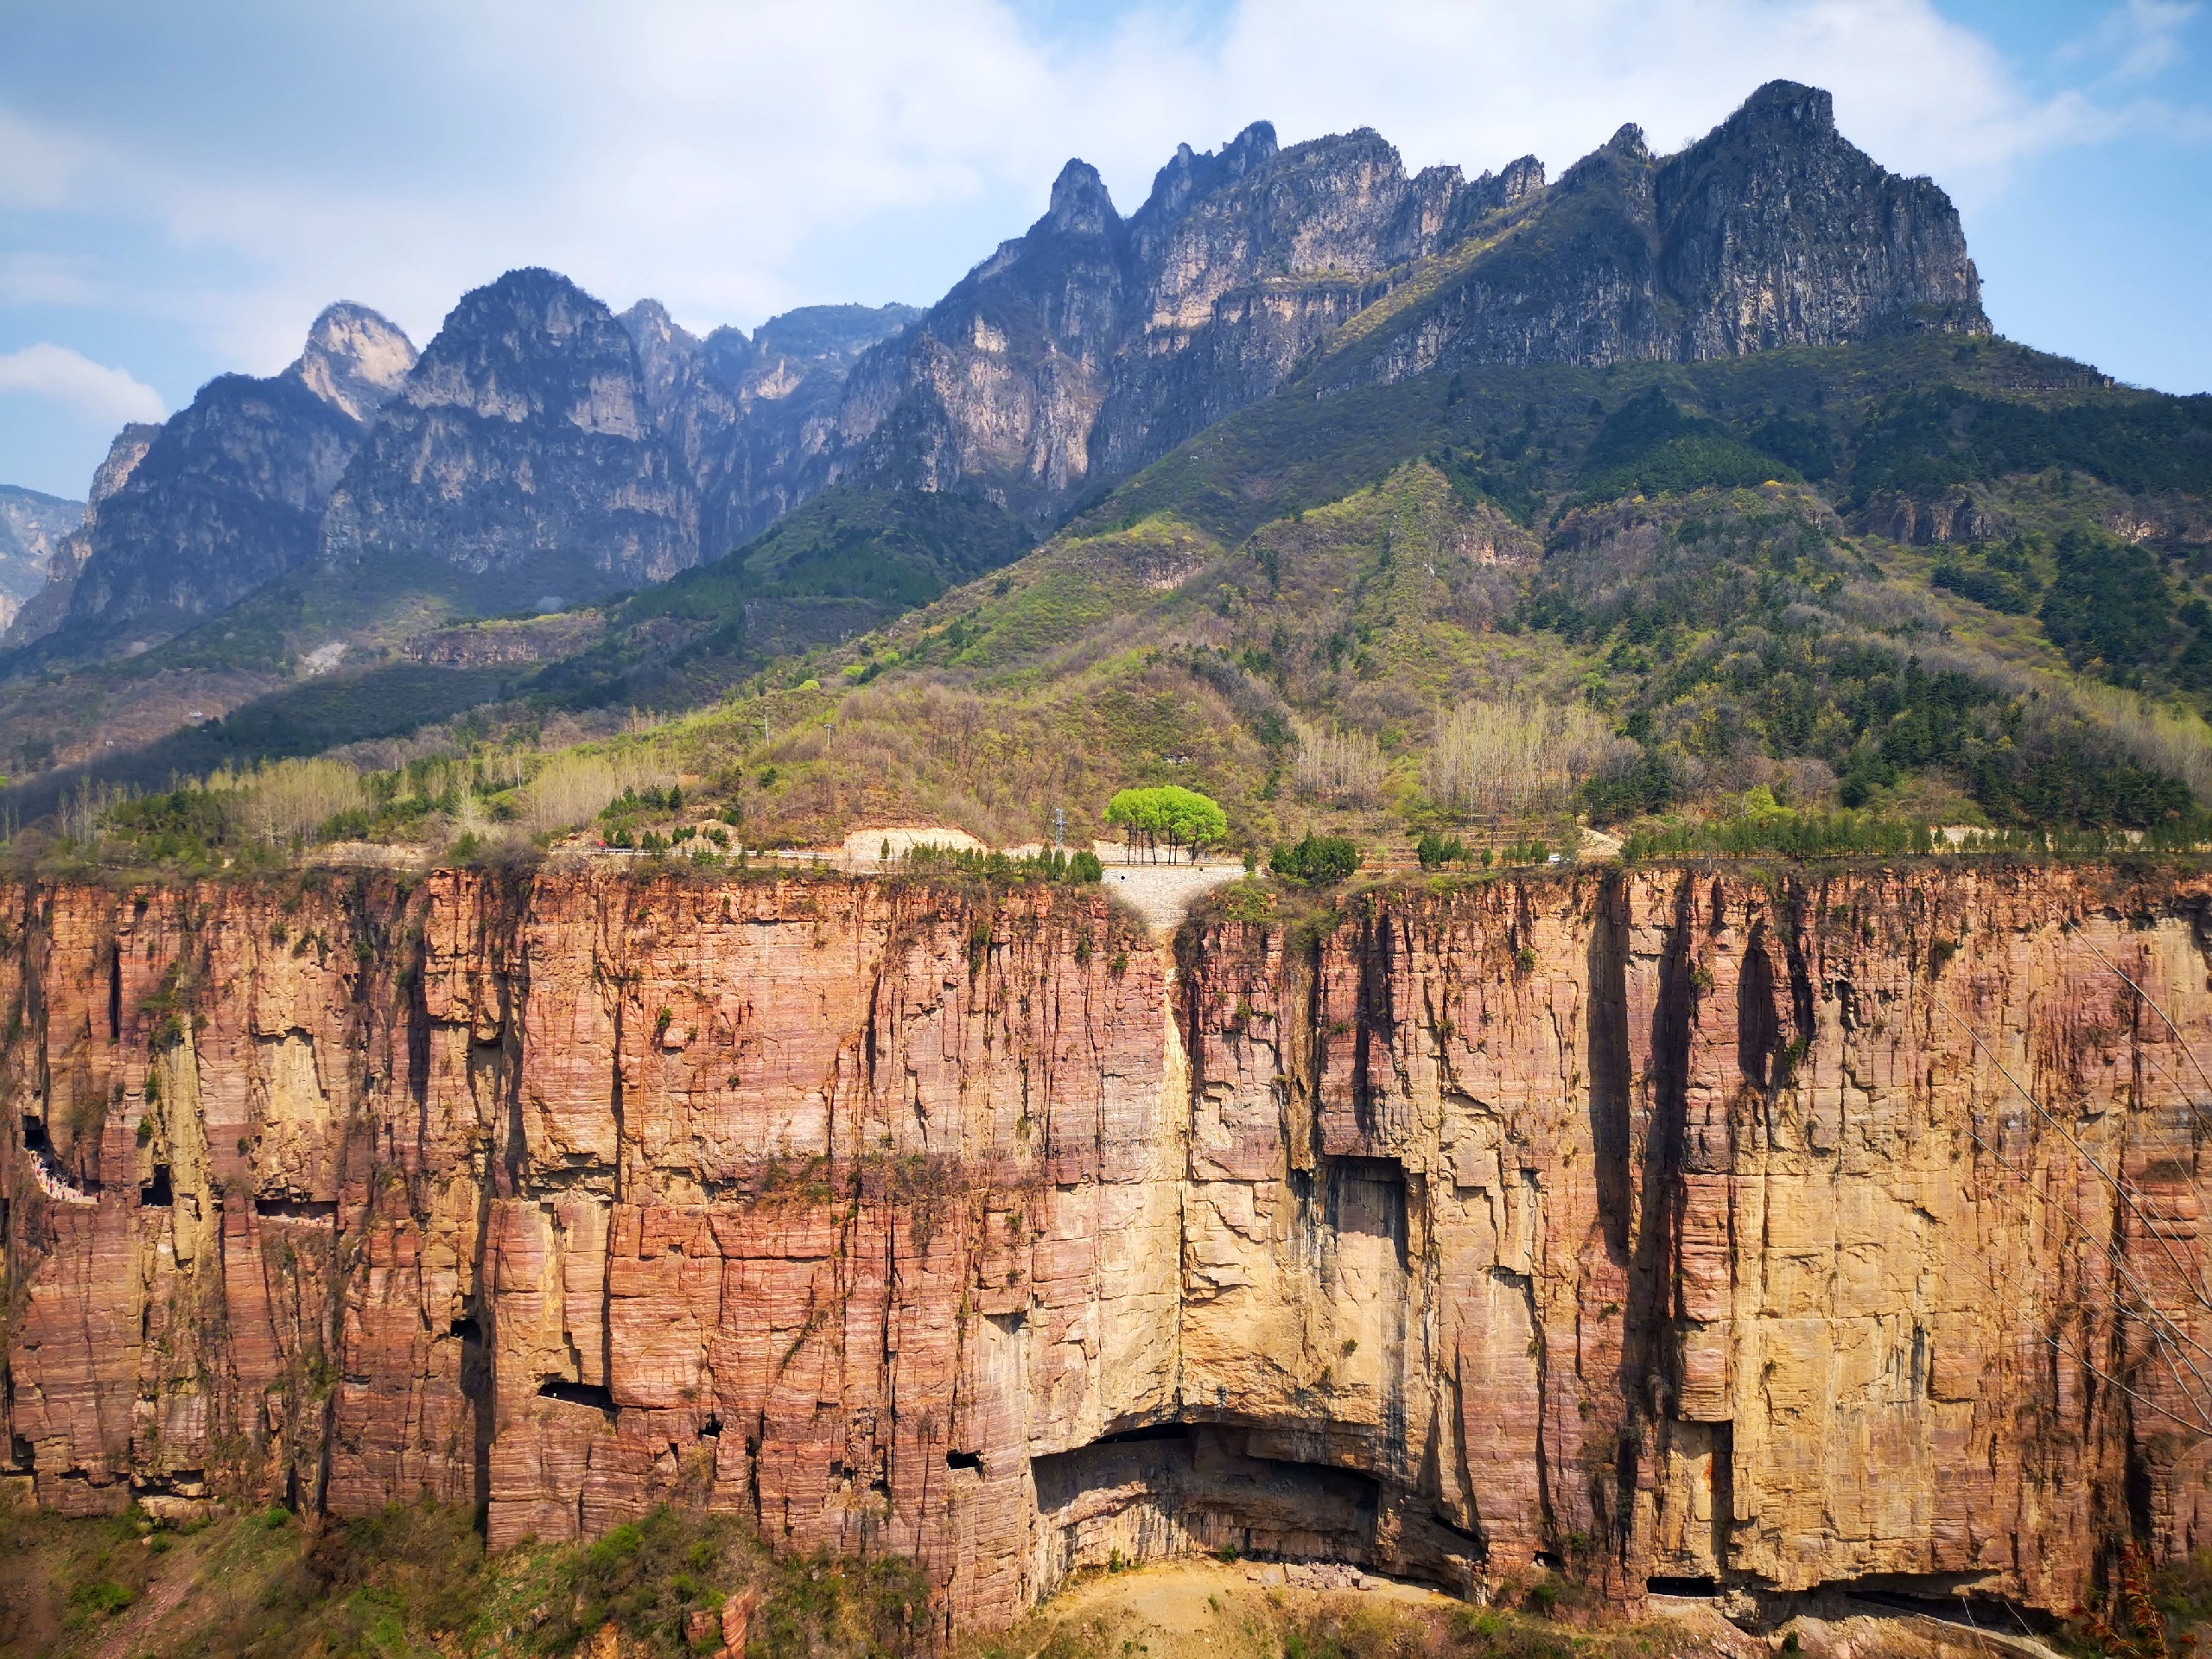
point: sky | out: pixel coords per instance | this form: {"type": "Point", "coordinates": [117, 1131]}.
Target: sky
{"type": "Point", "coordinates": [183, 187]}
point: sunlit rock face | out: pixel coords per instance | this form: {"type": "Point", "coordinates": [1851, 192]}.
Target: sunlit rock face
{"type": "Point", "coordinates": [1095, 344]}
{"type": "Point", "coordinates": [1782, 1233]}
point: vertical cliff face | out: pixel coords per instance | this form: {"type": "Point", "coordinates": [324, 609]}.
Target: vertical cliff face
{"type": "Point", "coordinates": [1843, 1228]}
{"type": "Point", "coordinates": [743, 414]}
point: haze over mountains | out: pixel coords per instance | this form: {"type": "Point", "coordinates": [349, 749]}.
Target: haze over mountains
{"type": "Point", "coordinates": [543, 451]}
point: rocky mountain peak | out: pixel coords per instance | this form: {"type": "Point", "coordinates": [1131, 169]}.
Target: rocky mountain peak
{"type": "Point", "coordinates": [1081, 205]}
{"type": "Point", "coordinates": [532, 408]}
{"type": "Point", "coordinates": [533, 346]}
{"type": "Point", "coordinates": [1191, 173]}
{"type": "Point", "coordinates": [667, 354]}
{"type": "Point", "coordinates": [1808, 111]}
{"type": "Point", "coordinates": [355, 359]}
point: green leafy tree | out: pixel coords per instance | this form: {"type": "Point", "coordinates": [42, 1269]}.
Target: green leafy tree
{"type": "Point", "coordinates": [1315, 861]}
{"type": "Point", "coordinates": [1178, 816]}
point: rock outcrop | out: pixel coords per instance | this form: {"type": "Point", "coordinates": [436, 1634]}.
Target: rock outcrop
{"type": "Point", "coordinates": [229, 494]}
{"type": "Point", "coordinates": [1827, 1229]}
{"type": "Point", "coordinates": [47, 607]}
{"type": "Point", "coordinates": [745, 414]}
{"type": "Point", "coordinates": [520, 449]}
{"type": "Point", "coordinates": [33, 526]}
{"type": "Point", "coordinates": [1772, 230]}
{"type": "Point", "coordinates": [1093, 344]}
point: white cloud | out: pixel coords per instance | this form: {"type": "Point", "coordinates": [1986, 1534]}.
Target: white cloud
{"type": "Point", "coordinates": [79, 384]}
{"type": "Point", "coordinates": [735, 159]}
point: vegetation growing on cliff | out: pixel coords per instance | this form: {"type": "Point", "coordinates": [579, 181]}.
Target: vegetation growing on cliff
{"type": "Point", "coordinates": [417, 1581]}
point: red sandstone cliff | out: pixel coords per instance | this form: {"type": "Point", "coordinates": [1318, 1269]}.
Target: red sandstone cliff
{"type": "Point", "coordinates": [1680, 1225]}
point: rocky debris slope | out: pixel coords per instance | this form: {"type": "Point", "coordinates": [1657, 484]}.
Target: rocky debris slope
{"type": "Point", "coordinates": [1659, 1225]}
{"type": "Point", "coordinates": [229, 494]}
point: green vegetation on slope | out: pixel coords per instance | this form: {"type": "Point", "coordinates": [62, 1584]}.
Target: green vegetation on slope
{"type": "Point", "coordinates": [419, 1580]}
{"type": "Point", "coordinates": [844, 562]}
{"type": "Point", "coordinates": [1349, 615]}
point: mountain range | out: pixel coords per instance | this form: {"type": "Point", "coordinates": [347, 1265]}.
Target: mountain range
{"type": "Point", "coordinates": [1270, 327]}
{"type": "Point", "coordinates": [553, 451]}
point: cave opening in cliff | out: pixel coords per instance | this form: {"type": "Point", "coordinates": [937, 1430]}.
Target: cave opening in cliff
{"type": "Point", "coordinates": [1177, 1489]}
{"type": "Point", "coordinates": [964, 1460]}
{"type": "Point", "coordinates": [156, 1193]}
{"type": "Point", "coordinates": [34, 1134]}
{"type": "Point", "coordinates": [1671, 1584]}
{"type": "Point", "coordinates": [1953, 1597]}
{"type": "Point", "coordinates": [596, 1395]}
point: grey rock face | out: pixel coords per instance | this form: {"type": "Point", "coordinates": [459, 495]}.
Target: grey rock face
{"type": "Point", "coordinates": [47, 608]}
{"type": "Point", "coordinates": [229, 494]}
{"type": "Point", "coordinates": [32, 526]}
{"type": "Point", "coordinates": [521, 445]}
{"type": "Point", "coordinates": [742, 412]}
{"type": "Point", "coordinates": [1093, 344]}
{"type": "Point", "coordinates": [354, 360]}
{"type": "Point", "coordinates": [1776, 230]}
{"type": "Point", "coordinates": [1772, 230]}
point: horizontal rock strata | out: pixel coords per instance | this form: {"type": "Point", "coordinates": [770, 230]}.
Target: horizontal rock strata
{"type": "Point", "coordinates": [1664, 1225]}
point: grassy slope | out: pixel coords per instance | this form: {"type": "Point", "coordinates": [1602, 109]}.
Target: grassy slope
{"type": "Point", "coordinates": [1371, 557]}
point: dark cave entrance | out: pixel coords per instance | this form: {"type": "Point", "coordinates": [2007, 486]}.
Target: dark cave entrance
{"type": "Point", "coordinates": [1179, 1489]}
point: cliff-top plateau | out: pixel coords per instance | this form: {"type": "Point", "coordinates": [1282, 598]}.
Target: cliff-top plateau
{"type": "Point", "coordinates": [1366, 912]}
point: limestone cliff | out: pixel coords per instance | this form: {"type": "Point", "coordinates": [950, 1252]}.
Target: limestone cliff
{"type": "Point", "coordinates": [229, 494]}
{"type": "Point", "coordinates": [1830, 1228]}
{"type": "Point", "coordinates": [33, 526]}
{"type": "Point", "coordinates": [1094, 345]}
{"type": "Point", "coordinates": [522, 450]}
{"type": "Point", "coordinates": [47, 607]}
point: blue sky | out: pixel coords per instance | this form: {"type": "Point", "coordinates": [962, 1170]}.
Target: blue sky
{"type": "Point", "coordinates": [182, 187]}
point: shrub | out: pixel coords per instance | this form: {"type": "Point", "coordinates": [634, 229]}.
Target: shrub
{"type": "Point", "coordinates": [1317, 861]}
